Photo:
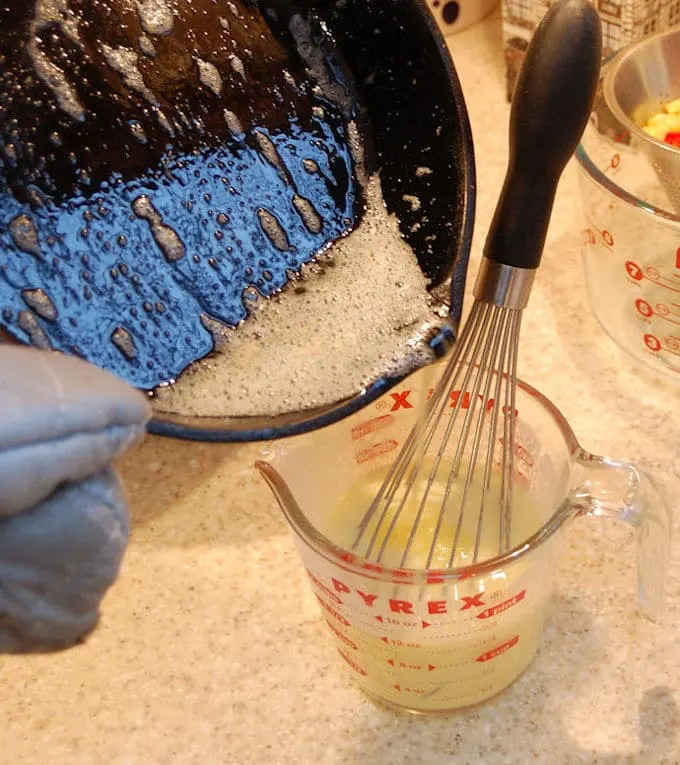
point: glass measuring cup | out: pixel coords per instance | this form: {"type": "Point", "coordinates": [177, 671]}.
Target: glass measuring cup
{"type": "Point", "coordinates": [439, 640]}
{"type": "Point", "coordinates": [631, 242]}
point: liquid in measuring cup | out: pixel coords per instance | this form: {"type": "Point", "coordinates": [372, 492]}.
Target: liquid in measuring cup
{"type": "Point", "coordinates": [428, 640]}
{"type": "Point", "coordinates": [435, 645]}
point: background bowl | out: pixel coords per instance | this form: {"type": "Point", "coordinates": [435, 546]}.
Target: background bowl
{"type": "Point", "coordinates": [631, 232]}
{"type": "Point", "coordinates": [641, 78]}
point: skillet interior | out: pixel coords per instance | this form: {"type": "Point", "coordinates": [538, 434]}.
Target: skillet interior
{"type": "Point", "coordinates": [405, 96]}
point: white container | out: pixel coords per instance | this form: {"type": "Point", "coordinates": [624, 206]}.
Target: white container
{"type": "Point", "coordinates": [455, 16]}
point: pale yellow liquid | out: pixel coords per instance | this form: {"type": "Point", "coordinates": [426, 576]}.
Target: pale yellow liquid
{"type": "Point", "coordinates": [343, 523]}
{"type": "Point", "coordinates": [459, 658]}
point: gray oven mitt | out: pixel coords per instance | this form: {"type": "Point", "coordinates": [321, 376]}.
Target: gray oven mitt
{"type": "Point", "coordinates": [63, 517]}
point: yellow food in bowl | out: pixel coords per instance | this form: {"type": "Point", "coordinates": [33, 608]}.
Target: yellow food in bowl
{"type": "Point", "coordinates": [664, 125]}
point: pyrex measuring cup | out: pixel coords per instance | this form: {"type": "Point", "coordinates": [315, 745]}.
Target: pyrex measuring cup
{"type": "Point", "coordinates": [440, 640]}
{"type": "Point", "coordinates": [631, 243]}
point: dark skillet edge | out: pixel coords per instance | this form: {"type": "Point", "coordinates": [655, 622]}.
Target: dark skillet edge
{"type": "Point", "coordinates": [408, 84]}
{"type": "Point", "coordinates": [247, 429]}
{"type": "Point", "coordinates": [467, 190]}
{"type": "Point", "coordinates": [467, 197]}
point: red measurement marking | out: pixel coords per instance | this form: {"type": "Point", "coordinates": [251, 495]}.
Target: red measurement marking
{"type": "Point", "coordinates": [524, 455]}
{"type": "Point", "coordinates": [467, 399]}
{"type": "Point", "coordinates": [397, 622]}
{"type": "Point", "coordinates": [367, 597]}
{"type": "Point", "coordinates": [644, 309]}
{"type": "Point", "coordinates": [356, 667]}
{"type": "Point", "coordinates": [340, 586]}
{"type": "Point", "coordinates": [504, 606]}
{"type": "Point", "coordinates": [318, 583]}
{"type": "Point", "coordinates": [588, 236]}
{"type": "Point", "coordinates": [652, 343]}
{"type": "Point", "coordinates": [330, 610]}
{"type": "Point", "coordinates": [336, 587]}
{"type": "Point", "coordinates": [520, 452]}
{"type": "Point", "coordinates": [373, 452]}
{"type": "Point", "coordinates": [416, 667]}
{"type": "Point", "coordinates": [425, 624]}
{"type": "Point", "coordinates": [408, 690]}
{"type": "Point", "coordinates": [401, 401]}
{"type": "Point", "coordinates": [662, 310]}
{"type": "Point", "coordinates": [634, 271]}
{"type": "Point", "coordinates": [341, 635]}
{"type": "Point", "coordinates": [400, 606]}
{"type": "Point", "coordinates": [472, 601]}
{"type": "Point", "coordinates": [499, 650]}
{"type": "Point", "coordinates": [372, 426]}
{"type": "Point", "coordinates": [677, 258]}
{"type": "Point", "coordinates": [402, 643]}
{"type": "Point", "coordinates": [616, 161]}
{"type": "Point", "coordinates": [607, 238]}
{"type": "Point", "coordinates": [652, 274]}
{"type": "Point", "coordinates": [465, 403]}
{"type": "Point", "coordinates": [401, 573]}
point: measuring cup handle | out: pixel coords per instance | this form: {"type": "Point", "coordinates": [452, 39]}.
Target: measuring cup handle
{"type": "Point", "coordinates": [620, 490]}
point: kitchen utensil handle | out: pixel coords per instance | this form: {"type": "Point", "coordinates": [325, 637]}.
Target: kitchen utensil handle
{"type": "Point", "coordinates": [551, 106]}
{"type": "Point", "coordinates": [613, 489]}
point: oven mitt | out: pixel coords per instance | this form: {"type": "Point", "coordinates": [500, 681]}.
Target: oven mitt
{"type": "Point", "coordinates": [63, 517]}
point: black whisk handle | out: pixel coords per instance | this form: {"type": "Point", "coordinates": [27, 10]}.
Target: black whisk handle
{"type": "Point", "coordinates": [551, 106]}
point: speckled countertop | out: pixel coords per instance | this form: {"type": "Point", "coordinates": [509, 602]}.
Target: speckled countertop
{"type": "Point", "coordinates": [212, 651]}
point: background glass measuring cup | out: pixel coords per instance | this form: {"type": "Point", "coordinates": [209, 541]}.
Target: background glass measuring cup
{"type": "Point", "coordinates": [441, 640]}
{"type": "Point", "coordinates": [631, 242]}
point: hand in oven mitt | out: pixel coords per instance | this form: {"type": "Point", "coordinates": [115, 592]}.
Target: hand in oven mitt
{"type": "Point", "coordinates": [63, 517]}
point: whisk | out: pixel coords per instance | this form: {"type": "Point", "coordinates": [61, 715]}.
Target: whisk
{"type": "Point", "coordinates": [467, 433]}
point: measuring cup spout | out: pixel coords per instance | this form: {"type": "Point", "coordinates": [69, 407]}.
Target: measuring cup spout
{"type": "Point", "coordinates": [279, 488]}
{"type": "Point", "coordinates": [609, 488]}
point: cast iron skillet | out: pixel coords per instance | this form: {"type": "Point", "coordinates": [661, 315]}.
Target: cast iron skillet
{"type": "Point", "coordinates": [403, 92]}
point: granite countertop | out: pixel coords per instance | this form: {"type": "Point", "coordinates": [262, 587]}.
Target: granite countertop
{"type": "Point", "coordinates": [212, 651]}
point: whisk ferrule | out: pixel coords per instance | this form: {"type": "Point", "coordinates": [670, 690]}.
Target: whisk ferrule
{"type": "Point", "coordinates": [504, 286]}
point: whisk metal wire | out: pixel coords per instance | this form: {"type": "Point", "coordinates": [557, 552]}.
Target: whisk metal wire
{"type": "Point", "coordinates": [551, 104]}
{"type": "Point", "coordinates": [468, 427]}
{"type": "Point", "coordinates": [476, 388]}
